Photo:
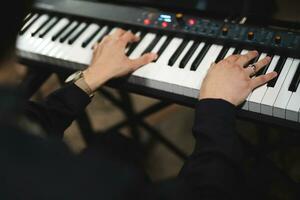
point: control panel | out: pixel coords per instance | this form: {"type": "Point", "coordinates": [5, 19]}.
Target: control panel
{"type": "Point", "coordinates": [219, 29]}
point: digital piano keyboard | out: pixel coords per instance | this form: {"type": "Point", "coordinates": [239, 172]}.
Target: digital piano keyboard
{"type": "Point", "coordinates": [63, 33]}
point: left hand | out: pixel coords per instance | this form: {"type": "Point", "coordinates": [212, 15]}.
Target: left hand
{"type": "Point", "coordinates": [110, 61]}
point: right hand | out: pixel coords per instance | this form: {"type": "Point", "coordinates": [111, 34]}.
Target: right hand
{"type": "Point", "coordinates": [110, 61]}
{"type": "Point", "coordinates": [230, 81]}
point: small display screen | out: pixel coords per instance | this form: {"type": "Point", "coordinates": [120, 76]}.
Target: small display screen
{"type": "Point", "coordinates": [165, 18]}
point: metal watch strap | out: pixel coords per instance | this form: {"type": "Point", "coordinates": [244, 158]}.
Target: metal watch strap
{"type": "Point", "coordinates": [81, 83]}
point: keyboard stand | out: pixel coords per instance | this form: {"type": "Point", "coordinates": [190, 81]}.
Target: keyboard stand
{"type": "Point", "coordinates": [134, 120]}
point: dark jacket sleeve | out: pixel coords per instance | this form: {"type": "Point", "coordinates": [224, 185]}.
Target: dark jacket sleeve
{"type": "Point", "coordinates": [214, 170]}
{"type": "Point", "coordinates": [56, 113]}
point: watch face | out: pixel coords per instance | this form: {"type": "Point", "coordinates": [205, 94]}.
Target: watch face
{"type": "Point", "coordinates": [74, 77]}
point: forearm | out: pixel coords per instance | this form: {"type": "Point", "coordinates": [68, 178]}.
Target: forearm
{"type": "Point", "coordinates": [214, 169]}
{"type": "Point", "coordinates": [59, 109]}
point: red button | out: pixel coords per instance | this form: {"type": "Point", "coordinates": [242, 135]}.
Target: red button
{"type": "Point", "coordinates": [192, 22]}
{"type": "Point", "coordinates": [164, 24]}
{"type": "Point", "coordinates": [147, 21]}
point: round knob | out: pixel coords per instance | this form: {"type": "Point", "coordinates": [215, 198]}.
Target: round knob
{"type": "Point", "coordinates": [250, 35]}
{"type": "Point", "coordinates": [179, 18]}
{"type": "Point", "coordinates": [225, 31]}
{"type": "Point", "coordinates": [277, 39]}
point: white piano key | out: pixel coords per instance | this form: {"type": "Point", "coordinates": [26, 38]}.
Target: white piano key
{"type": "Point", "coordinates": [169, 75]}
{"type": "Point", "coordinates": [146, 70]}
{"type": "Point", "coordinates": [66, 48]}
{"type": "Point", "coordinates": [176, 73]}
{"type": "Point", "coordinates": [76, 53]}
{"type": "Point", "coordinates": [141, 47]}
{"type": "Point", "coordinates": [29, 21]}
{"type": "Point", "coordinates": [184, 79]}
{"type": "Point", "coordinates": [230, 52]}
{"type": "Point", "coordinates": [138, 34]}
{"type": "Point", "coordinates": [194, 79]}
{"type": "Point", "coordinates": [99, 35]}
{"type": "Point", "coordinates": [283, 98]}
{"type": "Point", "coordinates": [259, 93]}
{"type": "Point", "coordinates": [204, 66]}
{"type": "Point", "coordinates": [159, 73]}
{"type": "Point", "coordinates": [37, 40]}
{"type": "Point", "coordinates": [293, 107]}
{"type": "Point", "coordinates": [48, 38]}
{"type": "Point", "coordinates": [246, 105]}
{"type": "Point", "coordinates": [272, 92]}
{"type": "Point", "coordinates": [55, 46]}
{"type": "Point", "coordinates": [159, 44]}
{"type": "Point", "coordinates": [24, 40]}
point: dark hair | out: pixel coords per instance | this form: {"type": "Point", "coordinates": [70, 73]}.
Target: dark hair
{"type": "Point", "coordinates": [11, 18]}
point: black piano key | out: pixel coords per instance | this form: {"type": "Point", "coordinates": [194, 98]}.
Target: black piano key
{"type": "Point", "coordinates": [67, 35]}
{"type": "Point", "coordinates": [27, 18]}
{"type": "Point", "coordinates": [24, 29]}
{"type": "Point", "coordinates": [254, 60]}
{"type": "Point", "coordinates": [237, 51]}
{"type": "Point", "coordinates": [200, 57]}
{"type": "Point", "coordinates": [152, 44]}
{"type": "Point", "coordinates": [135, 44]}
{"type": "Point", "coordinates": [89, 39]}
{"type": "Point", "coordinates": [277, 69]}
{"type": "Point", "coordinates": [49, 28]}
{"type": "Point", "coordinates": [133, 31]}
{"type": "Point", "coordinates": [41, 27]}
{"type": "Point", "coordinates": [189, 55]}
{"type": "Point", "coordinates": [222, 54]}
{"type": "Point", "coordinates": [296, 80]}
{"type": "Point", "coordinates": [264, 70]}
{"type": "Point", "coordinates": [75, 37]}
{"type": "Point", "coordinates": [61, 31]}
{"type": "Point", "coordinates": [163, 47]}
{"type": "Point", "coordinates": [108, 30]}
{"type": "Point", "coordinates": [177, 53]}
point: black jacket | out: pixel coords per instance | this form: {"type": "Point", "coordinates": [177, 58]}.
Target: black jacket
{"type": "Point", "coordinates": [36, 164]}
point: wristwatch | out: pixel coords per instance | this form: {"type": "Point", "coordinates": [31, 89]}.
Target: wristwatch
{"type": "Point", "coordinates": [78, 79]}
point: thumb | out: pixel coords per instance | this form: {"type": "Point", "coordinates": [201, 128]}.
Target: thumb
{"type": "Point", "coordinates": [143, 60]}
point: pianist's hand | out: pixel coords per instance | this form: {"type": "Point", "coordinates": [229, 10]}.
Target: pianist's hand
{"type": "Point", "coordinates": [230, 81]}
{"type": "Point", "coordinates": [110, 61]}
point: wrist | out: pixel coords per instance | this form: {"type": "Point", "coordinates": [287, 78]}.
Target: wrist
{"type": "Point", "coordinates": [94, 80]}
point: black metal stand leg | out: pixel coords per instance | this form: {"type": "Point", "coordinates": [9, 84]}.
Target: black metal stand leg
{"type": "Point", "coordinates": [130, 113]}
{"type": "Point", "coordinates": [145, 113]}
{"type": "Point", "coordinates": [157, 135]}
{"type": "Point", "coordinates": [137, 119]}
{"type": "Point", "coordinates": [33, 81]}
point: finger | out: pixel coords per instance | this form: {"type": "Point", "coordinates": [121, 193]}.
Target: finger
{"type": "Point", "coordinates": [261, 80]}
{"type": "Point", "coordinates": [245, 59]}
{"type": "Point", "coordinates": [129, 37]}
{"type": "Point", "coordinates": [258, 66]}
{"type": "Point", "coordinates": [232, 58]}
{"type": "Point", "coordinates": [262, 63]}
{"type": "Point", "coordinates": [95, 46]}
{"type": "Point", "coordinates": [143, 60]}
{"type": "Point", "coordinates": [117, 33]}
{"type": "Point", "coordinates": [250, 71]}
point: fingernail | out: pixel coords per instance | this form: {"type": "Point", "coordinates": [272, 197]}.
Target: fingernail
{"type": "Point", "coordinates": [154, 56]}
